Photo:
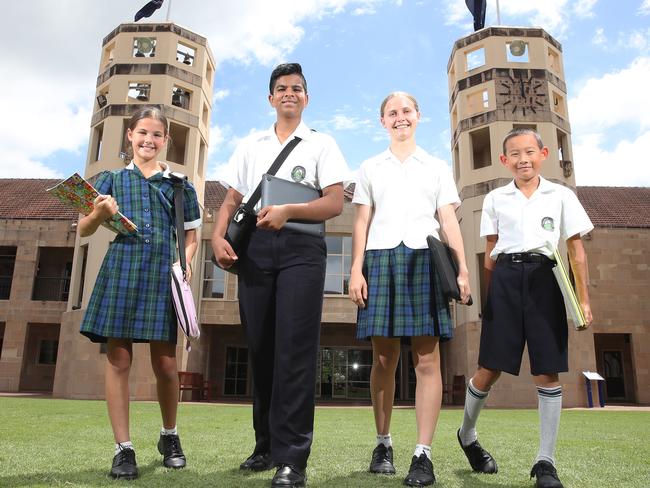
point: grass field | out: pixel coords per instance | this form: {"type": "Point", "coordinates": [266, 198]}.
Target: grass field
{"type": "Point", "coordinates": [48, 442]}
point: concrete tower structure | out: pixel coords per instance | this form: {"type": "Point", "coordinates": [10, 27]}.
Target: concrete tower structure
{"type": "Point", "coordinates": [501, 78]}
{"type": "Point", "coordinates": [173, 69]}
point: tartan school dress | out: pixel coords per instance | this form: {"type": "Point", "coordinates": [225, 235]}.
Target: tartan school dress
{"type": "Point", "coordinates": [401, 300]}
{"type": "Point", "coordinates": [132, 295]}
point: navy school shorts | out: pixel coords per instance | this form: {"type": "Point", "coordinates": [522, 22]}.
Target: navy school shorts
{"type": "Point", "coordinates": [524, 306]}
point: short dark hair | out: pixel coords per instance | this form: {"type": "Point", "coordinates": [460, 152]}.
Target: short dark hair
{"type": "Point", "coordinates": [522, 131]}
{"type": "Point", "coordinates": [284, 70]}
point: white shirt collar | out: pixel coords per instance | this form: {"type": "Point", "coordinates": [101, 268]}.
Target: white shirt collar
{"type": "Point", "coordinates": [419, 155]}
{"type": "Point", "coordinates": [165, 167]}
{"type": "Point", "coordinates": [545, 186]}
{"type": "Point", "coordinates": [302, 131]}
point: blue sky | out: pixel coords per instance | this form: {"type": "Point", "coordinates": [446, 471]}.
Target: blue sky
{"type": "Point", "coordinates": [353, 53]}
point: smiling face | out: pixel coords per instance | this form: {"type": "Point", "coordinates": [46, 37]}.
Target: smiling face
{"type": "Point", "coordinates": [400, 117]}
{"type": "Point", "coordinates": [524, 157]}
{"type": "Point", "coordinates": [147, 139]}
{"type": "Point", "coordinates": [289, 97]}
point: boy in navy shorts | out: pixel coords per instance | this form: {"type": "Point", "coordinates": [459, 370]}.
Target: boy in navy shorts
{"type": "Point", "coordinates": [524, 303]}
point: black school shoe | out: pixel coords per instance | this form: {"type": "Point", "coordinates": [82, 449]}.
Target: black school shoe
{"type": "Point", "coordinates": [124, 465]}
{"type": "Point", "coordinates": [289, 476]}
{"type": "Point", "coordinates": [382, 460]}
{"type": "Point", "coordinates": [479, 459]}
{"type": "Point", "coordinates": [257, 462]}
{"type": "Point", "coordinates": [170, 447]}
{"type": "Point", "coordinates": [420, 472]}
{"type": "Point", "coordinates": [546, 475]}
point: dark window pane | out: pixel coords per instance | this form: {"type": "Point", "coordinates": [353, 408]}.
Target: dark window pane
{"type": "Point", "coordinates": [48, 351]}
{"type": "Point", "coordinates": [334, 244]}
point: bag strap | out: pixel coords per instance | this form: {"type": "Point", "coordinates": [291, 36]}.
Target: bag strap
{"type": "Point", "coordinates": [286, 150]}
{"type": "Point", "coordinates": [178, 181]}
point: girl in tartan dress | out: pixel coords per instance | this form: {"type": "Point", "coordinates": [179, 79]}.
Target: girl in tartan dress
{"type": "Point", "coordinates": [401, 196]}
{"type": "Point", "coordinates": [131, 300]}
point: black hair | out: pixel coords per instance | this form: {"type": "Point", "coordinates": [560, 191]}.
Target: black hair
{"type": "Point", "coordinates": [284, 70]}
{"type": "Point", "coordinates": [522, 131]}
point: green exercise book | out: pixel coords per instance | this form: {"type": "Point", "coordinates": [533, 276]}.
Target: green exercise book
{"type": "Point", "coordinates": [569, 294]}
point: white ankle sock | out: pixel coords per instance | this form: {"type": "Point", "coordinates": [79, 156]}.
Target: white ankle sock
{"type": "Point", "coordinates": [421, 448]}
{"type": "Point", "coordinates": [164, 431]}
{"type": "Point", "coordinates": [385, 440]}
{"type": "Point", "coordinates": [123, 445]}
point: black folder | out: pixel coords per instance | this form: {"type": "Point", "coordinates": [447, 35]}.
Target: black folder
{"type": "Point", "coordinates": [444, 265]}
{"type": "Point", "coordinates": [277, 191]}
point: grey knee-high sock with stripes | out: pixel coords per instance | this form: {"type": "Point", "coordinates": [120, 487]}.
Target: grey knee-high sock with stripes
{"type": "Point", "coordinates": [550, 408]}
{"type": "Point", "coordinates": [474, 401]}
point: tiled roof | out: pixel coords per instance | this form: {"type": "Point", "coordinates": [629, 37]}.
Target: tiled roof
{"type": "Point", "coordinates": [609, 206]}
{"type": "Point", "coordinates": [23, 198]}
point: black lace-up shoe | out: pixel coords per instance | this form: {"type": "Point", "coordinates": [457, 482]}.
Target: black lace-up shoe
{"type": "Point", "coordinates": [257, 462]}
{"type": "Point", "coordinates": [382, 460]}
{"type": "Point", "coordinates": [420, 472]}
{"type": "Point", "coordinates": [170, 447]}
{"type": "Point", "coordinates": [124, 465]}
{"type": "Point", "coordinates": [546, 475]}
{"type": "Point", "coordinates": [479, 459]}
{"type": "Point", "coordinates": [289, 476]}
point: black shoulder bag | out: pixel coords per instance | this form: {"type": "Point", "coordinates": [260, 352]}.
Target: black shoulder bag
{"type": "Point", "coordinates": [243, 222]}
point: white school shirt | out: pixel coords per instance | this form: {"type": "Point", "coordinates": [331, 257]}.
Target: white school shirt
{"type": "Point", "coordinates": [404, 198]}
{"type": "Point", "coordinates": [316, 161]}
{"type": "Point", "coordinates": [527, 224]}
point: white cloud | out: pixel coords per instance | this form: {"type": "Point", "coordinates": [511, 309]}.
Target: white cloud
{"type": "Point", "coordinates": [368, 10]}
{"type": "Point", "coordinates": [49, 72]}
{"type": "Point", "coordinates": [220, 95]}
{"type": "Point", "coordinates": [599, 38]}
{"type": "Point", "coordinates": [552, 15]}
{"type": "Point", "coordinates": [613, 99]}
{"type": "Point", "coordinates": [621, 166]}
{"type": "Point", "coordinates": [604, 108]}
{"type": "Point", "coordinates": [644, 9]}
{"type": "Point", "coordinates": [15, 165]}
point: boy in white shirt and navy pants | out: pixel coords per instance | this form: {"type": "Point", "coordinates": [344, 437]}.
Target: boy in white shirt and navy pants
{"type": "Point", "coordinates": [524, 303]}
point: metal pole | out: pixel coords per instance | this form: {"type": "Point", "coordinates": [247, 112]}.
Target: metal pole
{"type": "Point", "coordinates": [169, 7]}
{"type": "Point", "coordinates": [498, 13]}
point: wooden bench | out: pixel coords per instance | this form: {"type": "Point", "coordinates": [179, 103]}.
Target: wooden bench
{"type": "Point", "coordinates": [193, 382]}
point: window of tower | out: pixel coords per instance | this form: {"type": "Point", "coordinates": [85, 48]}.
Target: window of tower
{"type": "Point", "coordinates": [517, 51]}
{"type": "Point", "coordinates": [177, 146]}
{"type": "Point", "coordinates": [98, 138]}
{"type": "Point", "coordinates": [477, 102]}
{"type": "Point", "coordinates": [554, 62]}
{"type": "Point", "coordinates": [108, 54]}
{"type": "Point", "coordinates": [475, 58]}
{"type": "Point", "coordinates": [204, 115]}
{"type": "Point", "coordinates": [559, 105]}
{"type": "Point", "coordinates": [185, 54]}
{"type": "Point", "coordinates": [202, 156]}
{"type": "Point", "coordinates": [181, 97]}
{"type": "Point", "coordinates": [209, 71]}
{"type": "Point", "coordinates": [481, 149]}
{"type": "Point", "coordinates": [456, 157]}
{"type": "Point", "coordinates": [125, 146]}
{"type": "Point", "coordinates": [138, 91]}
{"type": "Point", "coordinates": [144, 47]}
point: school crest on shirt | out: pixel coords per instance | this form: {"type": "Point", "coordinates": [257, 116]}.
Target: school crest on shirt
{"type": "Point", "coordinates": [548, 224]}
{"type": "Point", "coordinates": [298, 173]}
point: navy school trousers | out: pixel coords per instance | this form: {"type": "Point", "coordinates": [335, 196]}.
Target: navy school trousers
{"type": "Point", "coordinates": [281, 284]}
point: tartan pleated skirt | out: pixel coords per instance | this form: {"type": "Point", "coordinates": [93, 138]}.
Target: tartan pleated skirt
{"type": "Point", "coordinates": [402, 299]}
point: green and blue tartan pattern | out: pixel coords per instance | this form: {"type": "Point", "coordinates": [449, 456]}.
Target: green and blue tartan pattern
{"type": "Point", "coordinates": [132, 295]}
{"type": "Point", "coordinates": [401, 301]}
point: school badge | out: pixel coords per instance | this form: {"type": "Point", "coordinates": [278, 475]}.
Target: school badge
{"type": "Point", "coordinates": [298, 174]}
{"type": "Point", "coordinates": [548, 224]}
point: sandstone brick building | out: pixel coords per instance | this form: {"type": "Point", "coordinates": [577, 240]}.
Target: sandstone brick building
{"type": "Point", "coordinates": [499, 78]}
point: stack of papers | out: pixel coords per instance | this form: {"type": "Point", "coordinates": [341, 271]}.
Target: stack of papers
{"type": "Point", "coordinates": [569, 294]}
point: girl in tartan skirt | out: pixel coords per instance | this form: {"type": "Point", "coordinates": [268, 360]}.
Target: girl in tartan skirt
{"type": "Point", "coordinates": [401, 196]}
{"type": "Point", "coordinates": [131, 300]}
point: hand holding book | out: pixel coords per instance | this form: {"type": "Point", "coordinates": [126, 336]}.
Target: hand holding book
{"type": "Point", "coordinates": [82, 196]}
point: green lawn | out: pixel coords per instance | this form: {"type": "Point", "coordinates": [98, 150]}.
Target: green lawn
{"type": "Point", "coordinates": [69, 443]}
